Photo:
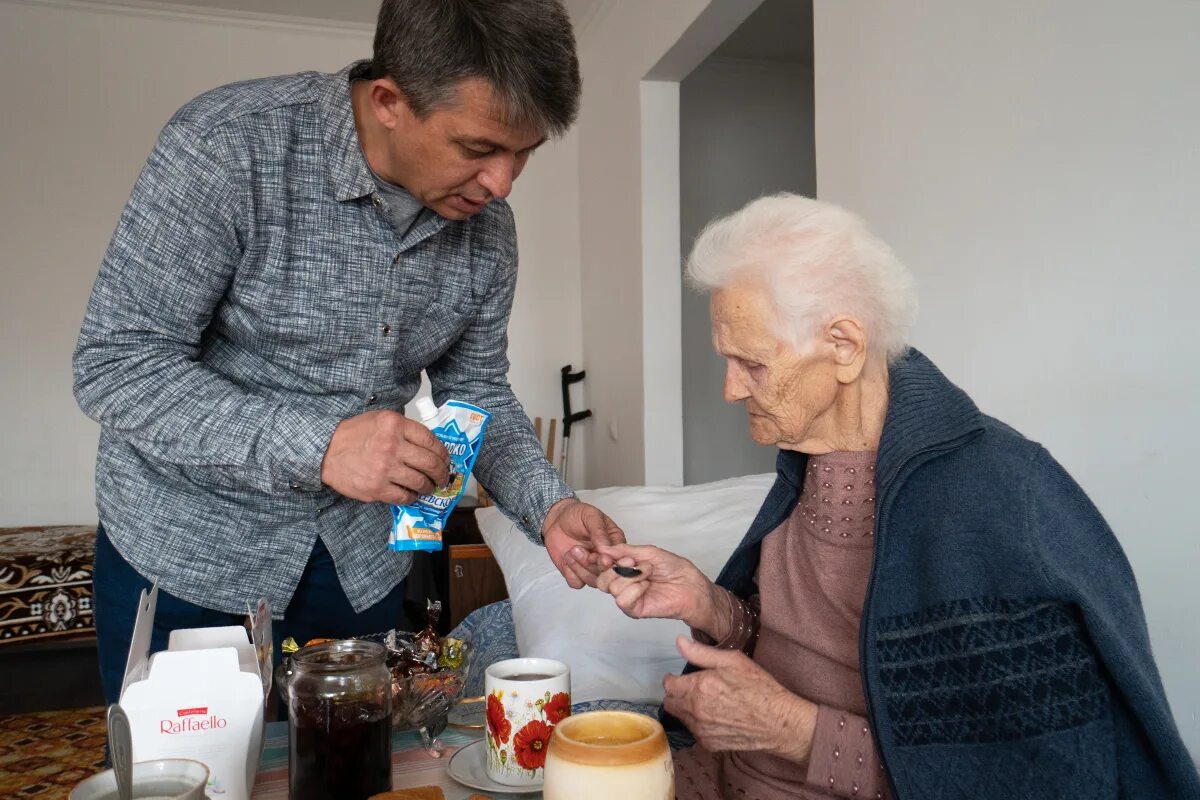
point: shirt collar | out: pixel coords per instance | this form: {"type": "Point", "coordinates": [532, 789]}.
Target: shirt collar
{"type": "Point", "coordinates": [346, 167]}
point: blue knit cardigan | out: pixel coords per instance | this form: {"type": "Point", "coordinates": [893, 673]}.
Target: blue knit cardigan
{"type": "Point", "coordinates": [1003, 648]}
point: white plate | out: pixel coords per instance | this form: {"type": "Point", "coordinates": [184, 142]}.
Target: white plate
{"type": "Point", "coordinates": [468, 766]}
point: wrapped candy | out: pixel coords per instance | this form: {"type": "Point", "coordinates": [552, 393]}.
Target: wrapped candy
{"type": "Point", "coordinates": [428, 641]}
{"type": "Point", "coordinates": [453, 653]}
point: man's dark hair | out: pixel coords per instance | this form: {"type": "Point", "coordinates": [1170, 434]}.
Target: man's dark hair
{"type": "Point", "coordinates": [525, 49]}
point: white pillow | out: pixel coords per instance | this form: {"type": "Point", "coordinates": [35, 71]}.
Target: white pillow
{"type": "Point", "coordinates": [612, 656]}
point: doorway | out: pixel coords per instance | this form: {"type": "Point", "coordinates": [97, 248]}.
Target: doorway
{"type": "Point", "coordinates": [746, 128]}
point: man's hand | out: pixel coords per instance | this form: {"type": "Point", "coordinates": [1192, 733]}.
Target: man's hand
{"type": "Point", "coordinates": [572, 532]}
{"type": "Point", "coordinates": [734, 704]}
{"type": "Point", "coordinates": [382, 456]}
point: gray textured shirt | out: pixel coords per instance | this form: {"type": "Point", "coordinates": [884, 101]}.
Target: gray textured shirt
{"type": "Point", "coordinates": [402, 208]}
{"type": "Point", "coordinates": [253, 296]}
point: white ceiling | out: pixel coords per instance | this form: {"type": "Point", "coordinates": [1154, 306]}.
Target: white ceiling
{"type": "Point", "coordinates": [352, 11]}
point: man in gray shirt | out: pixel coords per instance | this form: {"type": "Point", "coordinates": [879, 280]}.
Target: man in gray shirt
{"type": "Point", "coordinates": [294, 253]}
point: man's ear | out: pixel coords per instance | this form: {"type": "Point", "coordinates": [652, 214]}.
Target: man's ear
{"type": "Point", "coordinates": [849, 342]}
{"type": "Point", "coordinates": [389, 103]}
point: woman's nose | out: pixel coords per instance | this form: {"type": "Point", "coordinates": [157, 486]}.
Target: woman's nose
{"type": "Point", "coordinates": [735, 387]}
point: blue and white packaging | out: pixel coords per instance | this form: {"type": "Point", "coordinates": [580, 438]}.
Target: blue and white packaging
{"type": "Point", "coordinates": [460, 427]}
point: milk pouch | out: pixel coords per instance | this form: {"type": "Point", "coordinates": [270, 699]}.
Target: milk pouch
{"type": "Point", "coordinates": [460, 427]}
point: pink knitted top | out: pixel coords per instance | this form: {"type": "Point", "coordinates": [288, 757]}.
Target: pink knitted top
{"type": "Point", "coordinates": [812, 580]}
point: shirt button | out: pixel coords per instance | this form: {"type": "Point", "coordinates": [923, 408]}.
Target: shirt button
{"type": "Point", "coordinates": [372, 398]}
{"type": "Point", "coordinates": [376, 201]}
{"type": "Point", "coordinates": [320, 511]}
{"type": "Point", "coordinates": [396, 260]}
{"type": "Point", "coordinates": [296, 486]}
{"type": "Point", "coordinates": [386, 329]}
{"type": "Point", "coordinates": [525, 519]}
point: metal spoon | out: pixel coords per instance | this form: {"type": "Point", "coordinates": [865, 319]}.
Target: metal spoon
{"type": "Point", "coordinates": [120, 750]}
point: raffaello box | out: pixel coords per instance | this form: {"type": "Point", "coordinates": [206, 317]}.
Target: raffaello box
{"type": "Point", "coordinates": [202, 698]}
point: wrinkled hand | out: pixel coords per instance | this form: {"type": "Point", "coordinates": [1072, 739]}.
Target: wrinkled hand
{"type": "Point", "coordinates": [383, 456]}
{"type": "Point", "coordinates": [572, 532]}
{"type": "Point", "coordinates": [734, 704]}
{"type": "Point", "coordinates": [670, 587]}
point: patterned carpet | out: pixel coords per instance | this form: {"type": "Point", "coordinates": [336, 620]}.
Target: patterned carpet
{"type": "Point", "coordinates": [43, 755]}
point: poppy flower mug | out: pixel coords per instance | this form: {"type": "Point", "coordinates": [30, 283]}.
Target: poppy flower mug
{"type": "Point", "coordinates": [526, 698]}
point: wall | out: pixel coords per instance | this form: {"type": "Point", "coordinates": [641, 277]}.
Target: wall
{"type": "Point", "coordinates": [545, 333]}
{"type": "Point", "coordinates": [747, 130]}
{"type": "Point", "coordinates": [662, 372]}
{"type": "Point", "coordinates": [619, 44]}
{"type": "Point", "coordinates": [86, 88]}
{"type": "Point", "coordinates": [1038, 166]}
{"type": "Point", "coordinates": [631, 51]}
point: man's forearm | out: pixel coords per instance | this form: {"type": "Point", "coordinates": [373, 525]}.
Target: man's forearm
{"type": "Point", "coordinates": [513, 468]}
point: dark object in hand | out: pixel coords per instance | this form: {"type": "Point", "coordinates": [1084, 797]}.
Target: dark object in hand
{"type": "Point", "coordinates": [626, 572]}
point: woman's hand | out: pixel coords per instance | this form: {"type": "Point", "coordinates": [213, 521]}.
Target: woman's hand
{"type": "Point", "coordinates": [670, 587]}
{"type": "Point", "coordinates": [734, 704]}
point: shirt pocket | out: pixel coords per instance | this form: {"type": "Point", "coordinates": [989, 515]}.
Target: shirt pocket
{"type": "Point", "coordinates": [449, 277]}
{"type": "Point", "coordinates": [443, 295]}
{"type": "Point", "coordinates": [436, 330]}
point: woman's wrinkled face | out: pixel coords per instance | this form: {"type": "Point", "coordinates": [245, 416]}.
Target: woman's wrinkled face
{"type": "Point", "coordinates": [786, 393]}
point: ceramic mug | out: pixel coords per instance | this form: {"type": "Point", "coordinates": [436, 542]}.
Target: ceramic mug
{"type": "Point", "coordinates": [600, 755]}
{"type": "Point", "coordinates": [526, 698]}
{"type": "Point", "coordinates": [167, 778]}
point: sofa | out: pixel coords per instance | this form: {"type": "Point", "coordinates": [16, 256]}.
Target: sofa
{"type": "Point", "coordinates": [47, 636]}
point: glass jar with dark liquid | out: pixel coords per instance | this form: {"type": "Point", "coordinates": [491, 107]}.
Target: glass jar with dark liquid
{"type": "Point", "coordinates": [339, 722]}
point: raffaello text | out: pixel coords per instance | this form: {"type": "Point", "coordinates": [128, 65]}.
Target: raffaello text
{"type": "Point", "coordinates": [192, 724]}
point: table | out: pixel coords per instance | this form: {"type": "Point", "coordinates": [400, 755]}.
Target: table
{"type": "Point", "coordinates": [411, 766]}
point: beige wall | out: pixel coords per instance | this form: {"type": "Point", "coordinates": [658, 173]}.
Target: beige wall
{"type": "Point", "coordinates": [86, 88]}
{"type": "Point", "coordinates": [1037, 165]}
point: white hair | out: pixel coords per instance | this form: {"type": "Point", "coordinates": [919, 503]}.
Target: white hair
{"type": "Point", "coordinates": [816, 260]}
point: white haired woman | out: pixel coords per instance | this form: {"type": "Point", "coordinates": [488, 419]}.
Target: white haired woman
{"type": "Point", "coordinates": [926, 605]}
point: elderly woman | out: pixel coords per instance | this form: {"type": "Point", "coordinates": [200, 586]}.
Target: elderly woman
{"type": "Point", "coordinates": [926, 605]}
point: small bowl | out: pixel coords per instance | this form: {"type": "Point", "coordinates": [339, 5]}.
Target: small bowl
{"type": "Point", "coordinates": [174, 778]}
{"type": "Point", "coordinates": [424, 700]}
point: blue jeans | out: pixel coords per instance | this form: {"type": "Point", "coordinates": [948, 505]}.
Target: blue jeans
{"type": "Point", "coordinates": [319, 608]}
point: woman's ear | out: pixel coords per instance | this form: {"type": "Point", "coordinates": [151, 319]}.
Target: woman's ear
{"type": "Point", "coordinates": [849, 348]}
